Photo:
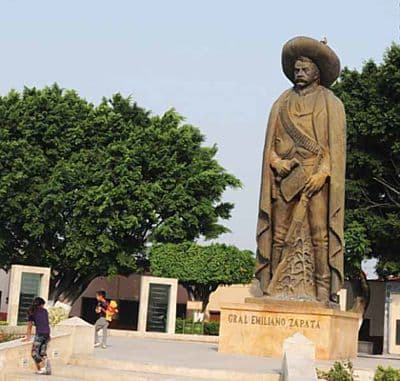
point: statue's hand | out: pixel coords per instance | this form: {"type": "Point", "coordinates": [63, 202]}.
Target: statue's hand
{"type": "Point", "coordinates": [315, 183]}
{"type": "Point", "coordinates": [282, 167]}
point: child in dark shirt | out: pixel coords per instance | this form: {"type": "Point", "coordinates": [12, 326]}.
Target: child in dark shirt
{"type": "Point", "coordinates": [39, 317]}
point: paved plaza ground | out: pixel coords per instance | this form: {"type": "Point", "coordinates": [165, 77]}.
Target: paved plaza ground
{"type": "Point", "coordinates": [206, 356]}
{"type": "Point", "coordinates": [149, 359]}
{"type": "Point", "coordinates": [181, 354]}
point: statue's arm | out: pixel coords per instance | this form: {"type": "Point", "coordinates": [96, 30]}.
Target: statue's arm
{"type": "Point", "coordinates": [324, 167]}
{"type": "Point", "coordinates": [336, 132]}
{"type": "Point", "coordinates": [274, 159]}
{"type": "Point", "coordinates": [323, 170]}
{"type": "Point", "coordinates": [334, 126]}
{"type": "Point", "coordinates": [281, 166]}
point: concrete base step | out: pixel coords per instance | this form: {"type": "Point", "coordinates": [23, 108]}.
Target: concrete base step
{"type": "Point", "coordinates": [166, 372]}
{"type": "Point", "coordinates": [35, 377]}
{"type": "Point", "coordinates": [103, 374]}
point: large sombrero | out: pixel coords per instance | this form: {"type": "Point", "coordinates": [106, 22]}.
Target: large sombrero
{"type": "Point", "coordinates": [318, 51]}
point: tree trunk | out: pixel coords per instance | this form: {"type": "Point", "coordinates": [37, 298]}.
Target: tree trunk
{"type": "Point", "coordinates": [200, 293]}
{"type": "Point", "coordinates": [362, 302]}
{"type": "Point", "coordinates": [366, 291]}
{"type": "Point", "coordinates": [68, 286]}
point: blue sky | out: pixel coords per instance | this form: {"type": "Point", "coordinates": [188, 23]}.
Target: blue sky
{"type": "Point", "coordinates": [217, 62]}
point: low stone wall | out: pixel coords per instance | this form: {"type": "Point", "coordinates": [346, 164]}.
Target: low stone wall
{"type": "Point", "coordinates": [17, 354]}
{"type": "Point", "coordinates": [69, 338]}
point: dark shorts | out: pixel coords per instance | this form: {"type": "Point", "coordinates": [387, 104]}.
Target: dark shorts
{"type": "Point", "coordinates": [39, 347]}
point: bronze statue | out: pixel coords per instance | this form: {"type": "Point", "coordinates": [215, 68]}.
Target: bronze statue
{"type": "Point", "coordinates": [300, 224]}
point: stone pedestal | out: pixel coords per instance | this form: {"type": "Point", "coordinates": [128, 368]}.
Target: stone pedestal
{"type": "Point", "coordinates": [298, 360]}
{"type": "Point", "coordinates": [259, 327]}
{"type": "Point", "coordinates": [82, 335]}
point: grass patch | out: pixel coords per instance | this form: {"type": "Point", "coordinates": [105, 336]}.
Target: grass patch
{"type": "Point", "coordinates": [5, 336]}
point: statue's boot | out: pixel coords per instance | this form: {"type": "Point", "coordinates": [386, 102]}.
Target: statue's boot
{"type": "Point", "coordinates": [263, 273]}
{"type": "Point", "coordinates": [266, 269]}
{"type": "Point", "coordinates": [322, 274]}
{"type": "Point", "coordinates": [323, 289]}
{"type": "Point", "coordinates": [276, 257]}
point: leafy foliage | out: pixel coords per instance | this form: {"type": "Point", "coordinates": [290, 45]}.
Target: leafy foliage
{"type": "Point", "coordinates": [209, 328]}
{"type": "Point", "coordinates": [57, 315]}
{"type": "Point", "coordinates": [358, 247]}
{"type": "Point", "coordinates": [371, 99]}
{"type": "Point", "coordinates": [84, 189]}
{"type": "Point", "coordinates": [340, 371]}
{"type": "Point", "coordinates": [8, 336]}
{"type": "Point", "coordinates": [387, 374]}
{"type": "Point", "coordinates": [201, 269]}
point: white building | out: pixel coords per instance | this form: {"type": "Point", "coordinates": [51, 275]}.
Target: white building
{"type": "Point", "coordinates": [4, 286]}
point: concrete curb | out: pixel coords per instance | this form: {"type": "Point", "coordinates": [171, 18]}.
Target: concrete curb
{"type": "Point", "coordinates": [171, 370]}
{"type": "Point", "coordinates": [164, 336]}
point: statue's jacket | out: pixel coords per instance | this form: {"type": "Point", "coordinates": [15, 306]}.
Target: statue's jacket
{"type": "Point", "coordinates": [329, 132]}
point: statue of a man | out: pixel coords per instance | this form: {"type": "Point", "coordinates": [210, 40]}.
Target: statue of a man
{"type": "Point", "coordinates": [300, 223]}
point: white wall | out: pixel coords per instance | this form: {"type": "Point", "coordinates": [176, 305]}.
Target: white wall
{"type": "Point", "coordinates": [236, 293]}
{"type": "Point", "coordinates": [4, 284]}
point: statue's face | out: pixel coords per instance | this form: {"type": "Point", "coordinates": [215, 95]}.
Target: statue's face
{"type": "Point", "coordinates": [305, 73]}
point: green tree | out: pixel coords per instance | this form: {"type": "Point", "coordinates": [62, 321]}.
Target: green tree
{"type": "Point", "coordinates": [372, 101]}
{"type": "Point", "coordinates": [201, 269]}
{"type": "Point", "coordinates": [85, 189]}
{"type": "Point", "coordinates": [358, 248]}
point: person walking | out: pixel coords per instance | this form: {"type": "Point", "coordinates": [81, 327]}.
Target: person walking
{"type": "Point", "coordinates": [38, 316]}
{"type": "Point", "coordinates": [101, 323]}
